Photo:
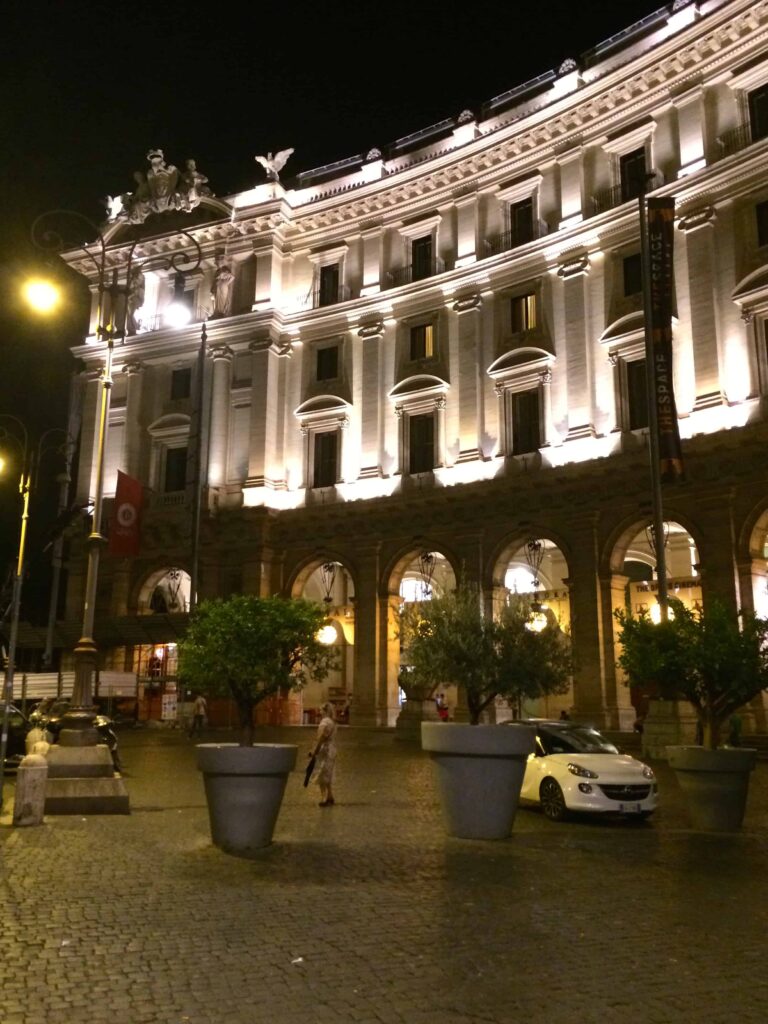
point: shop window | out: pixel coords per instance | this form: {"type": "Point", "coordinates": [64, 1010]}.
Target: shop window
{"type": "Point", "coordinates": [325, 464]}
{"type": "Point", "coordinates": [524, 312]}
{"type": "Point", "coordinates": [422, 342]}
{"type": "Point", "coordinates": [327, 366]}
{"type": "Point", "coordinates": [181, 383]}
{"type": "Point", "coordinates": [421, 443]}
{"type": "Point", "coordinates": [525, 416]}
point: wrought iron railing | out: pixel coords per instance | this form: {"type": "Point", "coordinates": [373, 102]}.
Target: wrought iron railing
{"type": "Point", "coordinates": [736, 139]}
{"type": "Point", "coordinates": [156, 322]}
{"type": "Point", "coordinates": [608, 198]}
{"type": "Point", "coordinates": [324, 296]}
{"type": "Point", "coordinates": [514, 237]}
{"type": "Point", "coordinates": [415, 272]}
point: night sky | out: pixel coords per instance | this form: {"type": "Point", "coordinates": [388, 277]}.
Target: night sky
{"type": "Point", "coordinates": [89, 87]}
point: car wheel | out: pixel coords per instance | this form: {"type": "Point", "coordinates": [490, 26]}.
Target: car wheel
{"type": "Point", "coordinates": [552, 800]}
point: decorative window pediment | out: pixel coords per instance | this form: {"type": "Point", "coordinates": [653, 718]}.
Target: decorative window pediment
{"type": "Point", "coordinates": [625, 329]}
{"type": "Point", "coordinates": [752, 290]}
{"type": "Point", "coordinates": [422, 384]}
{"type": "Point", "coordinates": [322, 405]}
{"type": "Point", "coordinates": [518, 365]}
{"type": "Point", "coordinates": [172, 424]}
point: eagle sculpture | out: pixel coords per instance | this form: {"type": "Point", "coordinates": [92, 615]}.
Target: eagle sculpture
{"type": "Point", "coordinates": [274, 164]}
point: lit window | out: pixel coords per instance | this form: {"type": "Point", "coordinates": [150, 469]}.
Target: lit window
{"type": "Point", "coordinates": [524, 313]}
{"type": "Point", "coordinates": [422, 342]}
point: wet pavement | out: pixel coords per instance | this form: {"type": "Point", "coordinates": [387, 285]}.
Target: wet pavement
{"type": "Point", "coordinates": [366, 913]}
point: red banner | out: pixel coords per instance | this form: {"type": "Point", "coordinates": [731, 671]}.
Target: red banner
{"type": "Point", "coordinates": [661, 233]}
{"type": "Point", "coordinates": [126, 517]}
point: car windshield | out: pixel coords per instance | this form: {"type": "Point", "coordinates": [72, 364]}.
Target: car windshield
{"type": "Point", "coordinates": [574, 739]}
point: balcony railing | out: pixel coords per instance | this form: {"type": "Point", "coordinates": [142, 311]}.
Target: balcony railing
{"type": "Point", "coordinates": [415, 272]}
{"type": "Point", "coordinates": [156, 322]}
{"type": "Point", "coordinates": [735, 140]}
{"type": "Point", "coordinates": [329, 296]}
{"type": "Point", "coordinates": [608, 198]}
{"type": "Point", "coordinates": [514, 238]}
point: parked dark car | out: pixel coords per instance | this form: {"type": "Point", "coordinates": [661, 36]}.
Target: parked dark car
{"type": "Point", "coordinates": [49, 715]}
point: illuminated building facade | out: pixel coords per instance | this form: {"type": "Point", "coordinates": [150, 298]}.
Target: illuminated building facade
{"type": "Point", "coordinates": [437, 349]}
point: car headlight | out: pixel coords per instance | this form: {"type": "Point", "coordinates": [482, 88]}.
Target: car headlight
{"type": "Point", "coordinates": [648, 772]}
{"type": "Point", "coordinates": [585, 773]}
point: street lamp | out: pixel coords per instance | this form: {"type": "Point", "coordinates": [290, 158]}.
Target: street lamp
{"type": "Point", "coordinates": [30, 459]}
{"type": "Point", "coordinates": [111, 324]}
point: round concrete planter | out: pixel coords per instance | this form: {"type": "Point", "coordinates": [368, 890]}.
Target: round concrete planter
{"type": "Point", "coordinates": [715, 784]}
{"type": "Point", "coordinates": [244, 788]}
{"type": "Point", "coordinates": [480, 771]}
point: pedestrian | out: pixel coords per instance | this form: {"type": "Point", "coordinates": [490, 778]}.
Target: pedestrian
{"type": "Point", "coordinates": [325, 755]}
{"type": "Point", "coordinates": [199, 713]}
{"type": "Point", "coordinates": [564, 716]}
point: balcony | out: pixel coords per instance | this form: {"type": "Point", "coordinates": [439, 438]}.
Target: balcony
{"type": "Point", "coordinates": [735, 140]}
{"type": "Point", "coordinates": [514, 238]}
{"type": "Point", "coordinates": [415, 272]}
{"type": "Point", "coordinates": [609, 198]}
{"type": "Point", "coordinates": [325, 296]}
{"type": "Point", "coordinates": [157, 321]}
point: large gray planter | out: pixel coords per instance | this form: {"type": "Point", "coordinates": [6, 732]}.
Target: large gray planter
{"type": "Point", "coordinates": [480, 772]}
{"type": "Point", "coordinates": [244, 788]}
{"type": "Point", "coordinates": [715, 784]}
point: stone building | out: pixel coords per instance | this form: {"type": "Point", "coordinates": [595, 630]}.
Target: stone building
{"type": "Point", "coordinates": [428, 362]}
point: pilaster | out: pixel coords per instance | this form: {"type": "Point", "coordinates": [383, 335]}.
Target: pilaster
{"type": "Point", "coordinates": [218, 441]}
{"type": "Point", "coordinates": [698, 230]}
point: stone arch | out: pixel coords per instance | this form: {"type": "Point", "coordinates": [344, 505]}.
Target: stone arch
{"type": "Point", "coordinates": [148, 584]}
{"type": "Point", "coordinates": [305, 580]}
{"type": "Point", "coordinates": [621, 536]}
{"type": "Point", "coordinates": [752, 560]}
{"type": "Point", "coordinates": [500, 556]}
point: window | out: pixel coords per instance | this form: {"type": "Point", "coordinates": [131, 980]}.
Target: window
{"type": "Point", "coordinates": [524, 313]}
{"type": "Point", "coordinates": [526, 421]}
{"type": "Point", "coordinates": [633, 174]}
{"type": "Point", "coordinates": [175, 469]}
{"type": "Point", "coordinates": [422, 342]}
{"type": "Point", "coordinates": [758, 112]}
{"type": "Point", "coordinates": [328, 285]}
{"type": "Point", "coordinates": [521, 222]}
{"type": "Point", "coordinates": [181, 383]}
{"type": "Point", "coordinates": [637, 394]}
{"type": "Point", "coordinates": [421, 257]}
{"type": "Point", "coordinates": [633, 275]}
{"type": "Point", "coordinates": [421, 443]}
{"type": "Point", "coordinates": [761, 214]}
{"type": "Point", "coordinates": [328, 363]}
{"type": "Point", "coordinates": [326, 458]}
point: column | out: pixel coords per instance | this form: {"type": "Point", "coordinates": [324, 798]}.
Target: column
{"type": "Point", "coordinates": [578, 362]}
{"type": "Point", "coordinates": [468, 311]}
{"type": "Point", "coordinates": [131, 455]}
{"type": "Point", "coordinates": [466, 232]}
{"type": "Point", "coordinates": [218, 440]}
{"type": "Point", "coordinates": [571, 174]}
{"type": "Point", "coordinates": [367, 639]}
{"type": "Point", "coordinates": [545, 382]}
{"type": "Point", "coordinates": [268, 287]}
{"type": "Point", "coordinates": [589, 628]}
{"type": "Point", "coordinates": [698, 231]}
{"type": "Point", "coordinates": [690, 129]}
{"type": "Point", "coordinates": [618, 704]}
{"type": "Point", "coordinates": [86, 475]}
{"type": "Point", "coordinates": [717, 556]}
{"type": "Point", "coordinates": [370, 403]}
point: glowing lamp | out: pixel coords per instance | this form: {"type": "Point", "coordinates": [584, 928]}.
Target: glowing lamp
{"type": "Point", "coordinates": [326, 634]}
{"type": "Point", "coordinates": [42, 296]}
{"type": "Point", "coordinates": [177, 314]}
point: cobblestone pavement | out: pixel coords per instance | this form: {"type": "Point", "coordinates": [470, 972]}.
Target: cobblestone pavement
{"type": "Point", "coordinates": [365, 913]}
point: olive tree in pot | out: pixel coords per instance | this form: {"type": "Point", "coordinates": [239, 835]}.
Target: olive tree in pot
{"type": "Point", "coordinates": [718, 664]}
{"type": "Point", "coordinates": [249, 648]}
{"type": "Point", "coordinates": [417, 686]}
{"type": "Point", "coordinates": [480, 767]}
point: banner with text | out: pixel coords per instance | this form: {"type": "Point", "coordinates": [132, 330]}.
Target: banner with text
{"type": "Point", "coordinates": [661, 232]}
{"type": "Point", "coordinates": [124, 530]}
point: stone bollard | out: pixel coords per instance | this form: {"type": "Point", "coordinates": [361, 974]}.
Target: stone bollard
{"type": "Point", "coordinates": [31, 778]}
{"type": "Point", "coordinates": [36, 735]}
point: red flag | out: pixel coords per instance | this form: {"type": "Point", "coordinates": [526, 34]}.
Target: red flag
{"type": "Point", "coordinates": [126, 517]}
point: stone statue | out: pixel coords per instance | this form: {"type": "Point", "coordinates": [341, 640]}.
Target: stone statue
{"type": "Point", "coordinates": [223, 286]}
{"type": "Point", "coordinates": [162, 179]}
{"type": "Point", "coordinates": [274, 164]}
{"type": "Point", "coordinates": [114, 208]}
{"type": "Point", "coordinates": [193, 186]}
{"type": "Point", "coordinates": [136, 205]}
{"type": "Point", "coordinates": [134, 300]}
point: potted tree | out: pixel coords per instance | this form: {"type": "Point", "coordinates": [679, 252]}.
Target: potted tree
{"type": "Point", "coordinates": [249, 648]}
{"type": "Point", "coordinates": [718, 665]}
{"type": "Point", "coordinates": [480, 767]}
{"type": "Point", "coordinates": [417, 686]}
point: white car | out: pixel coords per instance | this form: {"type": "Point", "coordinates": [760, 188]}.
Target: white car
{"type": "Point", "coordinates": [574, 768]}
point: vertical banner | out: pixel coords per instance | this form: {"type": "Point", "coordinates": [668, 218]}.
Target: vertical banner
{"type": "Point", "coordinates": [126, 517]}
{"type": "Point", "coordinates": [661, 232]}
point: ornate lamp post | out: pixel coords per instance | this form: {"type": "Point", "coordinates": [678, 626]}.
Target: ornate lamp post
{"type": "Point", "coordinates": [112, 314]}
